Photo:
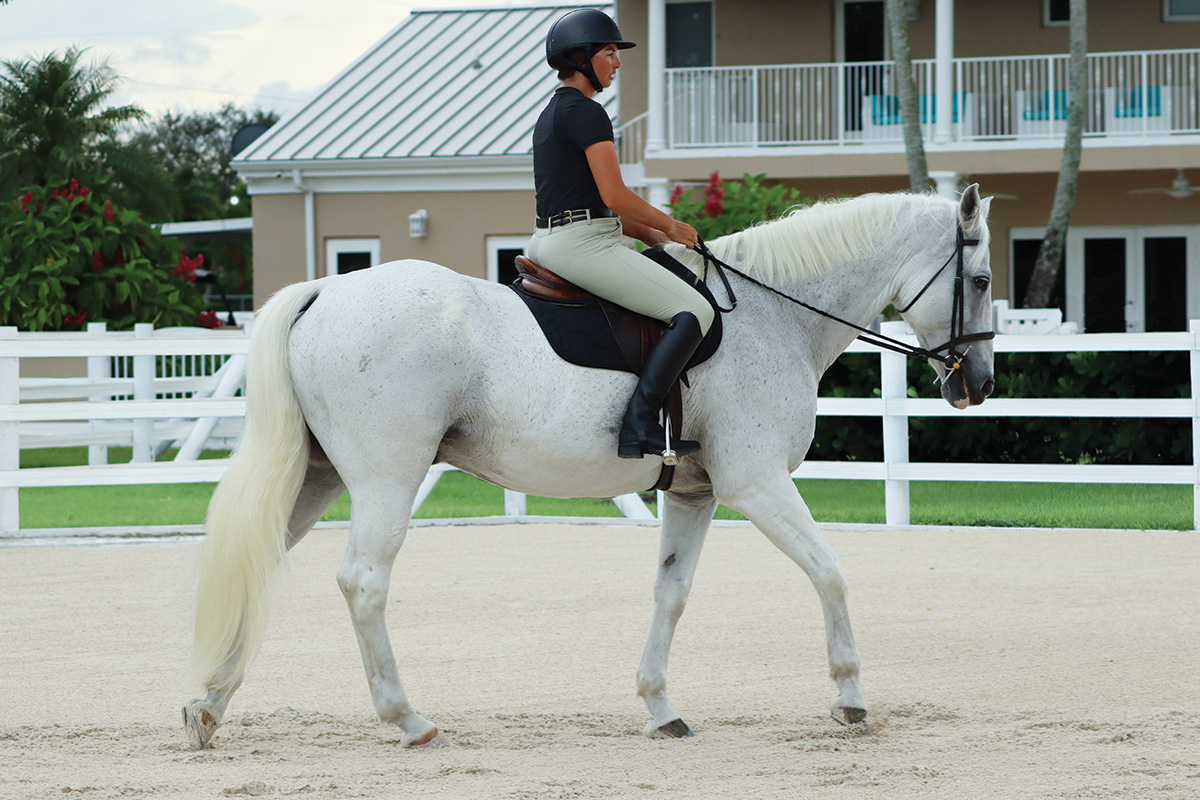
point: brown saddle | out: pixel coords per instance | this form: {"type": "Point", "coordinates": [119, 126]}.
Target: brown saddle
{"type": "Point", "coordinates": [635, 333]}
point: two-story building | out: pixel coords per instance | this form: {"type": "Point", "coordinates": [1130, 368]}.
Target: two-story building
{"type": "Point", "coordinates": [437, 118]}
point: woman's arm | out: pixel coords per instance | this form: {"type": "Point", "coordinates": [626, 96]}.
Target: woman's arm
{"type": "Point", "coordinates": [646, 219]}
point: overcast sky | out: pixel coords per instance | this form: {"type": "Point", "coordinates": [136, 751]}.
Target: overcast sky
{"type": "Point", "coordinates": [186, 55]}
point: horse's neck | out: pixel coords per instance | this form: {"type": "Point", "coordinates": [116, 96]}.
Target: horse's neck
{"type": "Point", "coordinates": [854, 291]}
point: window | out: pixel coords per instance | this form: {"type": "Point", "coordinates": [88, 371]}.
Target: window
{"type": "Point", "coordinates": [689, 34]}
{"type": "Point", "coordinates": [348, 255]}
{"type": "Point", "coordinates": [1024, 253]}
{"type": "Point", "coordinates": [501, 250]}
{"type": "Point", "coordinates": [1181, 10]}
{"type": "Point", "coordinates": [1056, 13]}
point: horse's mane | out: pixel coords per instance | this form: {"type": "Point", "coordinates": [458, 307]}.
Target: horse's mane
{"type": "Point", "coordinates": [808, 241]}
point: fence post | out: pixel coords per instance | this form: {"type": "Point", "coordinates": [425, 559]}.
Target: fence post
{"type": "Point", "coordinates": [99, 368]}
{"type": "Point", "coordinates": [893, 368]}
{"type": "Point", "coordinates": [514, 504]}
{"type": "Point", "coordinates": [1194, 363]}
{"type": "Point", "coordinates": [143, 389]}
{"type": "Point", "coordinates": [10, 441]}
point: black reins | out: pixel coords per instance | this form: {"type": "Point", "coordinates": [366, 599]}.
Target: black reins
{"type": "Point", "coordinates": [953, 357]}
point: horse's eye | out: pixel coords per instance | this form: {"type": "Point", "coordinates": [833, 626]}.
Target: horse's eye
{"type": "Point", "coordinates": [981, 283]}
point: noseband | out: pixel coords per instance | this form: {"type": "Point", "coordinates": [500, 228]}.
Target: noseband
{"type": "Point", "coordinates": [953, 357]}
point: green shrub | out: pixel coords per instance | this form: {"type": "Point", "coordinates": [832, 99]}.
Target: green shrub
{"type": "Point", "coordinates": [68, 258]}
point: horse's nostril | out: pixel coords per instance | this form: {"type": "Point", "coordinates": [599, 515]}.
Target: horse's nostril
{"type": "Point", "coordinates": [987, 387]}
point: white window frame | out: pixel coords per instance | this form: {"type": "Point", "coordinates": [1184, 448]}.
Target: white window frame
{"type": "Point", "coordinates": [335, 247]}
{"type": "Point", "coordinates": [713, 43]}
{"type": "Point", "coordinates": [1054, 23]}
{"type": "Point", "coordinates": [1170, 17]}
{"type": "Point", "coordinates": [494, 244]}
{"type": "Point", "coordinates": [1135, 276]}
{"type": "Point", "coordinates": [839, 31]}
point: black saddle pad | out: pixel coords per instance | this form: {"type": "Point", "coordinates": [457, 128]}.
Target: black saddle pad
{"type": "Point", "coordinates": [580, 333]}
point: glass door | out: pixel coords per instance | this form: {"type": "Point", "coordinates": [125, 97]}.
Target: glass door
{"type": "Point", "coordinates": [862, 46]}
{"type": "Point", "coordinates": [1132, 280]}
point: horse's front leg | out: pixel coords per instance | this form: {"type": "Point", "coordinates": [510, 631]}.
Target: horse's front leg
{"type": "Point", "coordinates": [686, 520]}
{"type": "Point", "coordinates": [776, 508]}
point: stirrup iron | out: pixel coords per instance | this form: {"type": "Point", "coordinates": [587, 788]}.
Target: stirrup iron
{"type": "Point", "coordinates": [669, 457]}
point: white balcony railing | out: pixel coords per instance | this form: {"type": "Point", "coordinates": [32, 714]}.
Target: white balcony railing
{"type": "Point", "coordinates": [1148, 93]}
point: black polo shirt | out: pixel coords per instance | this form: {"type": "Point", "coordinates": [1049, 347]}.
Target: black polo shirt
{"type": "Point", "coordinates": [562, 178]}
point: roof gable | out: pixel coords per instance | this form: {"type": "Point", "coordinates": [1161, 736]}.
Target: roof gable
{"type": "Point", "coordinates": [461, 82]}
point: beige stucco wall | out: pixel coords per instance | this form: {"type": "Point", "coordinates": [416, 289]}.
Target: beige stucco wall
{"type": "Point", "coordinates": [278, 243]}
{"type": "Point", "coordinates": [459, 224]}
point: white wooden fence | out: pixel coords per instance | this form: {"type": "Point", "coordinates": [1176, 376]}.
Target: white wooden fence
{"type": "Point", "coordinates": [148, 422]}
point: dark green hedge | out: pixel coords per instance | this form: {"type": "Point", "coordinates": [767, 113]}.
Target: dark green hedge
{"type": "Point", "coordinates": [1016, 439]}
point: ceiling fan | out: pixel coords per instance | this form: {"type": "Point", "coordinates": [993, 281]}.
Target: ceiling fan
{"type": "Point", "coordinates": [1180, 188]}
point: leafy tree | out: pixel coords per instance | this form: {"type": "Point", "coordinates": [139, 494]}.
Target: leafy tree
{"type": "Point", "coordinates": [68, 257]}
{"type": "Point", "coordinates": [196, 150]}
{"type": "Point", "coordinates": [55, 125]}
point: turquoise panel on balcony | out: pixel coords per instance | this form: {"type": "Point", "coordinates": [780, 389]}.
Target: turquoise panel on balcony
{"type": "Point", "coordinates": [1040, 105]}
{"type": "Point", "coordinates": [885, 108]}
{"type": "Point", "coordinates": [1130, 103]}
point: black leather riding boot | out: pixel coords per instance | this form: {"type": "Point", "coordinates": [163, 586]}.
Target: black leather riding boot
{"type": "Point", "coordinates": [641, 431]}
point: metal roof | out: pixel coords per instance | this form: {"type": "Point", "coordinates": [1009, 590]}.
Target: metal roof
{"type": "Point", "coordinates": [458, 82]}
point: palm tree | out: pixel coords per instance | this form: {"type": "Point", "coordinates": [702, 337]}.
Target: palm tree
{"type": "Point", "coordinates": [1049, 260]}
{"type": "Point", "coordinates": [55, 125]}
{"type": "Point", "coordinates": [906, 92]}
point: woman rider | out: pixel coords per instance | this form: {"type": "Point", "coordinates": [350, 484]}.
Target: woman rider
{"type": "Point", "coordinates": [583, 207]}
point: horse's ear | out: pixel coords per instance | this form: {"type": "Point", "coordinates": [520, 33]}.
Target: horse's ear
{"type": "Point", "coordinates": [969, 205]}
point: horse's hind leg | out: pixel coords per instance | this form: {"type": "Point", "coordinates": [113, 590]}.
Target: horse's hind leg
{"type": "Point", "coordinates": [321, 487]}
{"type": "Point", "coordinates": [685, 524]}
{"type": "Point", "coordinates": [378, 528]}
{"type": "Point", "coordinates": [776, 509]}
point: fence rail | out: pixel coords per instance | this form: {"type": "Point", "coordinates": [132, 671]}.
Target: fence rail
{"type": "Point", "coordinates": [192, 420]}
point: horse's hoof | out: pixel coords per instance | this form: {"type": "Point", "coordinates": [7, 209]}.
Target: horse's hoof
{"type": "Point", "coordinates": [200, 723]}
{"type": "Point", "coordinates": [853, 718]}
{"type": "Point", "coordinates": [433, 740]}
{"type": "Point", "coordinates": [672, 730]}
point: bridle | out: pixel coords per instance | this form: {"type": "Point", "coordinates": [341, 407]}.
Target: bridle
{"type": "Point", "coordinates": [954, 355]}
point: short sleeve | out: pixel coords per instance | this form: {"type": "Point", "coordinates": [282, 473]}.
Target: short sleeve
{"type": "Point", "coordinates": [587, 123]}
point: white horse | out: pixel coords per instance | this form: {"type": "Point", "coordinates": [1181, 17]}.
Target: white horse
{"type": "Point", "coordinates": [360, 382]}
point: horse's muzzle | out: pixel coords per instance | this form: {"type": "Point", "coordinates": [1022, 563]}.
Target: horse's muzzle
{"type": "Point", "coordinates": [968, 386]}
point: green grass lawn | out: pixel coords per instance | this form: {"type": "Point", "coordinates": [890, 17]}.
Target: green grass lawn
{"type": "Point", "coordinates": [1044, 505]}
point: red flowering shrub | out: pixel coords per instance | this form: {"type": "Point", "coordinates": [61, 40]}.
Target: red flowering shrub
{"type": "Point", "coordinates": [63, 265]}
{"type": "Point", "coordinates": [208, 319]}
{"type": "Point", "coordinates": [186, 268]}
{"type": "Point", "coordinates": [730, 206]}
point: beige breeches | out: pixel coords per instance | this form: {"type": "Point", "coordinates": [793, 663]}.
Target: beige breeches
{"type": "Point", "coordinates": [590, 255]}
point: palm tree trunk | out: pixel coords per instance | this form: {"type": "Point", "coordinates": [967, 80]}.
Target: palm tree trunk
{"type": "Point", "coordinates": [906, 91]}
{"type": "Point", "coordinates": [1049, 260]}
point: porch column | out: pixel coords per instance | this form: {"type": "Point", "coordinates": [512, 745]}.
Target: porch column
{"type": "Point", "coordinates": [947, 184]}
{"type": "Point", "coordinates": [944, 71]}
{"type": "Point", "coordinates": [656, 76]}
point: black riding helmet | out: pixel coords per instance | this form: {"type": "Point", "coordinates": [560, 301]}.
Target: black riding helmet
{"type": "Point", "coordinates": [586, 28]}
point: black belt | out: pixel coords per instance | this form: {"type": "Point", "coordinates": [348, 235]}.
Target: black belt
{"type": "Point", "coordinates": [574, 215]}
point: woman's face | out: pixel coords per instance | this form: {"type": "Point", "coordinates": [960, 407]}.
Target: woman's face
{"type": "Point", "coordinates": [605, 64]}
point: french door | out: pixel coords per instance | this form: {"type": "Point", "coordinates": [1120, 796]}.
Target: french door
{"type": "Point", "coordinates": [1133, 279]}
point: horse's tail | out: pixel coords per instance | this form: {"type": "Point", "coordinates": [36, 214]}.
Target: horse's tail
{"type": "Point", "coordinates": [246, 527]}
